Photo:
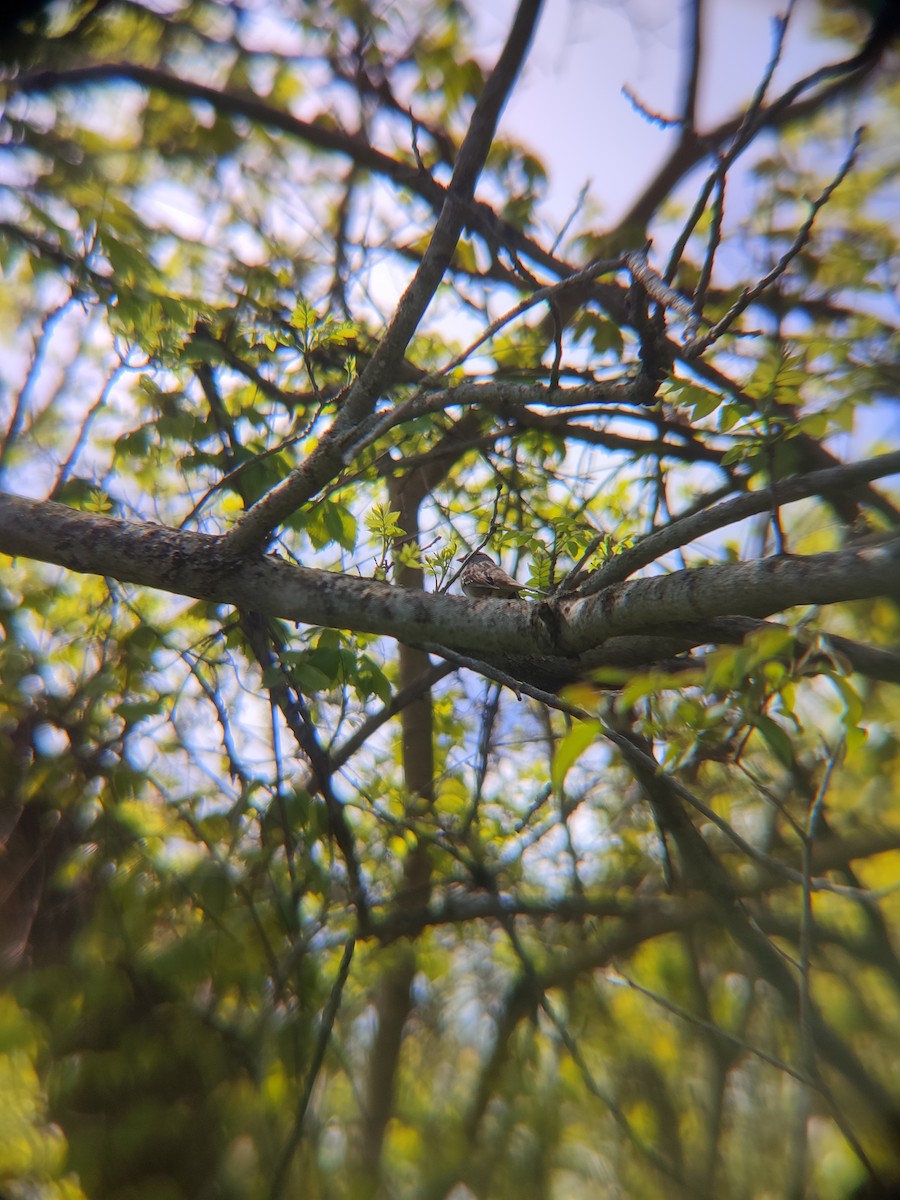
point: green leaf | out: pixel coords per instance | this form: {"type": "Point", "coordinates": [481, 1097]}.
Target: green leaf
{"type": "Point", "coordinates": [310, 679]}
{"type": "Point", "coordinates": [853, 705]}
{"type": "Point", "coordinates": [340, 523]}
{"type": "Point", "coordinates": [304, 317]}
{"type": "Point", "coordinates": [382, 521]}
{"type": "Point", "coordinates": [706, 405]}
{"type": "Point", "coordinates": [729, 415]}
{"type": "Point", "coordinates": [569, 749]}
{"type": "Point", "coordinates": [133, 711]}
{"type": "Point", "coordinates": [369, 679]}
{"type": "Point", "coordinates": [777, 739]}
{"type": "Point", "coordinates": [327, 523]}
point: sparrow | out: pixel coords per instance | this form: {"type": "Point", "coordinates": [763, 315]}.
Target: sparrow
{"type": "Point", "coordinates": [483, 579]}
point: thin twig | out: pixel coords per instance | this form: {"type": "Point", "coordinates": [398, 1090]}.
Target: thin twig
{"type": "Point", "coordinates": [491, 530]}
{"type": "Point", "coordinates": [329, 1015]}
{"type": "Point", "coordinates": [65, 471]}
{"type": "Point", "coordinates": [715, 1030]}
{"type": "Point", "coordinates": [740, 139]}
{"type": "Point", "coordinates": [576, 209]}
{"type": "Point", "coordinates": [815, 809]}
{"type": "Point", "coordinates": [654, 118]}
{"type": "Point", "coordinates": [570, 580]}
{"type": "Point", "coordinates": [694, 63]}
{"type": "Point", "coordinates": [698, 345]}
{"type": "Point", "coordinates": [637, 263]}
{"type": "Point", "coordinates": [717, 214]}
{"type": "Point", "coordinates": [35, 368]}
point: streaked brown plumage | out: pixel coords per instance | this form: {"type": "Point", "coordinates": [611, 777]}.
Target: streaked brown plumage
{"type": "Point", "coordinates": [482, 579]}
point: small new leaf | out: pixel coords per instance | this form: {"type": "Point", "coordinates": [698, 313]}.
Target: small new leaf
{"type": "Point", "coordinates": [382, 522]}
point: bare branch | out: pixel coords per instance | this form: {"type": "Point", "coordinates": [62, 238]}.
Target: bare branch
{"type": "Point", "coordinates": [696, 347]}
{"type": "Point", "coordinates": [193, 564]}
{"type": "Point", "coordinates": [787, 109]}
{"type": "Point", "coordinates": [741, 139]}
{"type": "Point", "coordinates": [688, 529]}
{"type": "Point", "coordinates": [714, 1030]}
{"type": "Point", "coordinates": [694, 59]}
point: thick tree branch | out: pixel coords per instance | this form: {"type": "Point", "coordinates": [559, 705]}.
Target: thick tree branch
{"type": "Point", "coordinates": [688, 529]}
{"type": "Point", "coordinates": [750, 589]}
{"type": "Point", "coordinates": [192, 564]}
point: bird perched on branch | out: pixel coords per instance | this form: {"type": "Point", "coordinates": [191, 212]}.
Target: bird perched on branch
{"type": "Point", "coordinates": [482, 579]}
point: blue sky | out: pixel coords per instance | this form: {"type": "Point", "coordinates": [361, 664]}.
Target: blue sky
{"type": "Point", "coordinates": [569, 106]}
